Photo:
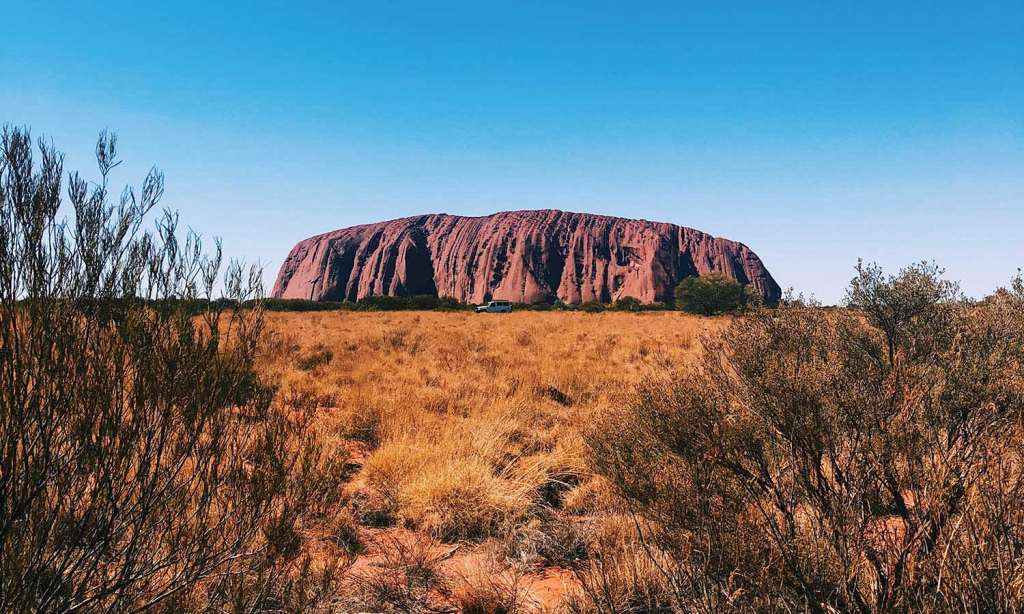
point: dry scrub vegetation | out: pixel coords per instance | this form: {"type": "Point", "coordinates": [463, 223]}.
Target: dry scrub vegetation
{"type": "Point", "coordinates": [142, 463]}
{"type": "Point", "coordinates": [797, 459]}
{"type": "Point", "coordinates": [861, 460]}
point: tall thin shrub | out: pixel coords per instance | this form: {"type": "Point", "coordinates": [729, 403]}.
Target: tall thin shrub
{"type": "Point", "coordinates": [136, 446]}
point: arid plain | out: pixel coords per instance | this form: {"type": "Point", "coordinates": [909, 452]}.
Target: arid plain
{"type": "Point", "coordinates": [462, 437]}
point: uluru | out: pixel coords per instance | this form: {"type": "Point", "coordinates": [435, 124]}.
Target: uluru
{"type": "Point", "coordinates": [522, 256]}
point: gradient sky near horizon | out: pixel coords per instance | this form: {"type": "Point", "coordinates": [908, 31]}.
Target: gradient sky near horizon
{"type": "Point", "coordinates": [815, 132]}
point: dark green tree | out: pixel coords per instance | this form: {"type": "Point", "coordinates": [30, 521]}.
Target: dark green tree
{"type": "Point", "coordinates": [710, 294]}
{"type": "Point", "coordinates": [628, 303]}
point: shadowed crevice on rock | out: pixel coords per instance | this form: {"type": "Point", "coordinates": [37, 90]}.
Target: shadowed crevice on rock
{"type": "Point", "coordinates": [418, 266]}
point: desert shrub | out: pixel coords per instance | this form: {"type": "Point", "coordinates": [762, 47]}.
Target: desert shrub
{"type": "Point", "coordinates": [489, 594]}
{"type": "Point", "coordinates": [398, 340]}
{"type": "Point", "coordinates": [374, 507]}
{"type": "Point", "coordinates": [315, 358]}
{"type": "Point", "coordinates": [859, 460]}
{"type": "Point", "coordinates": [556, 395]}
{"type": "Point", "coordinates": [420, 302]}
{"type": "Point", "coordinates": [345, 532]}
{"type": "Point", "coordinates": [710, 295]}
{"type": "Point", "coordinates": [365, 423]}
{"type": "Point", "coordinates": [306, 585]}
{"type": "Point", "coordinates": [138, 444]}
{"type": "Point", "coordinates": [280, 304]}
{"type": "Point", "coordinates": [550, 540]}
{"type": "Point", "coordinates": [628, 303]}
{"type": "Point", "coordinates": [590, 496]}
{"type": "Point", "coordinates": [592, 307]}
{"type": "Point", "coordinates": [657, 307]}
{"type": "Point", "coordinates": [383, 303]}
{"type": "Point", "coordinates": [447, 303]}
{"type": "Point", "coordinates": [624, 578]}
{"type": "Point", "coordinates": [316, 474]}
{"type": "Point", "coordinates": [489, 586]}
{"type": "Point", "coordinates": [424, 301]}
{"type": "Point", "coordinates": [280, 532]}
{"type": "Point", "coordinates": [404, 577]}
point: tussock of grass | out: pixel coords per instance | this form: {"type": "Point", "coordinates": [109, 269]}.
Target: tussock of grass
{"type": "Point", "coordinates": [468, 490]}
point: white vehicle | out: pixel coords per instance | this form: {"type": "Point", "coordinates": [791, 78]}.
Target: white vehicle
{"type": "Point", "coordinates": [495, 307]}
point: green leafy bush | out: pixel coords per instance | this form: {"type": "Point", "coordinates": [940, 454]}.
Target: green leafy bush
{"type": "Point", "coordinates": [710, 294]}
{"type": "Point", "coordinates": [628, 303]}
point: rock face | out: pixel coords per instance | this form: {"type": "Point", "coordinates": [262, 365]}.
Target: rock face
{"type": "Point", "coordinates": [522, 256]}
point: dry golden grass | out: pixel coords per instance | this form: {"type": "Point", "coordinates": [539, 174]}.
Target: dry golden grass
{"type": "Point", "coordinates": [469, 426]}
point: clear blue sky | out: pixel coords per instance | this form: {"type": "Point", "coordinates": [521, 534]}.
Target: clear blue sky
{"type": "Point", "coordinates": [815, 132]}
